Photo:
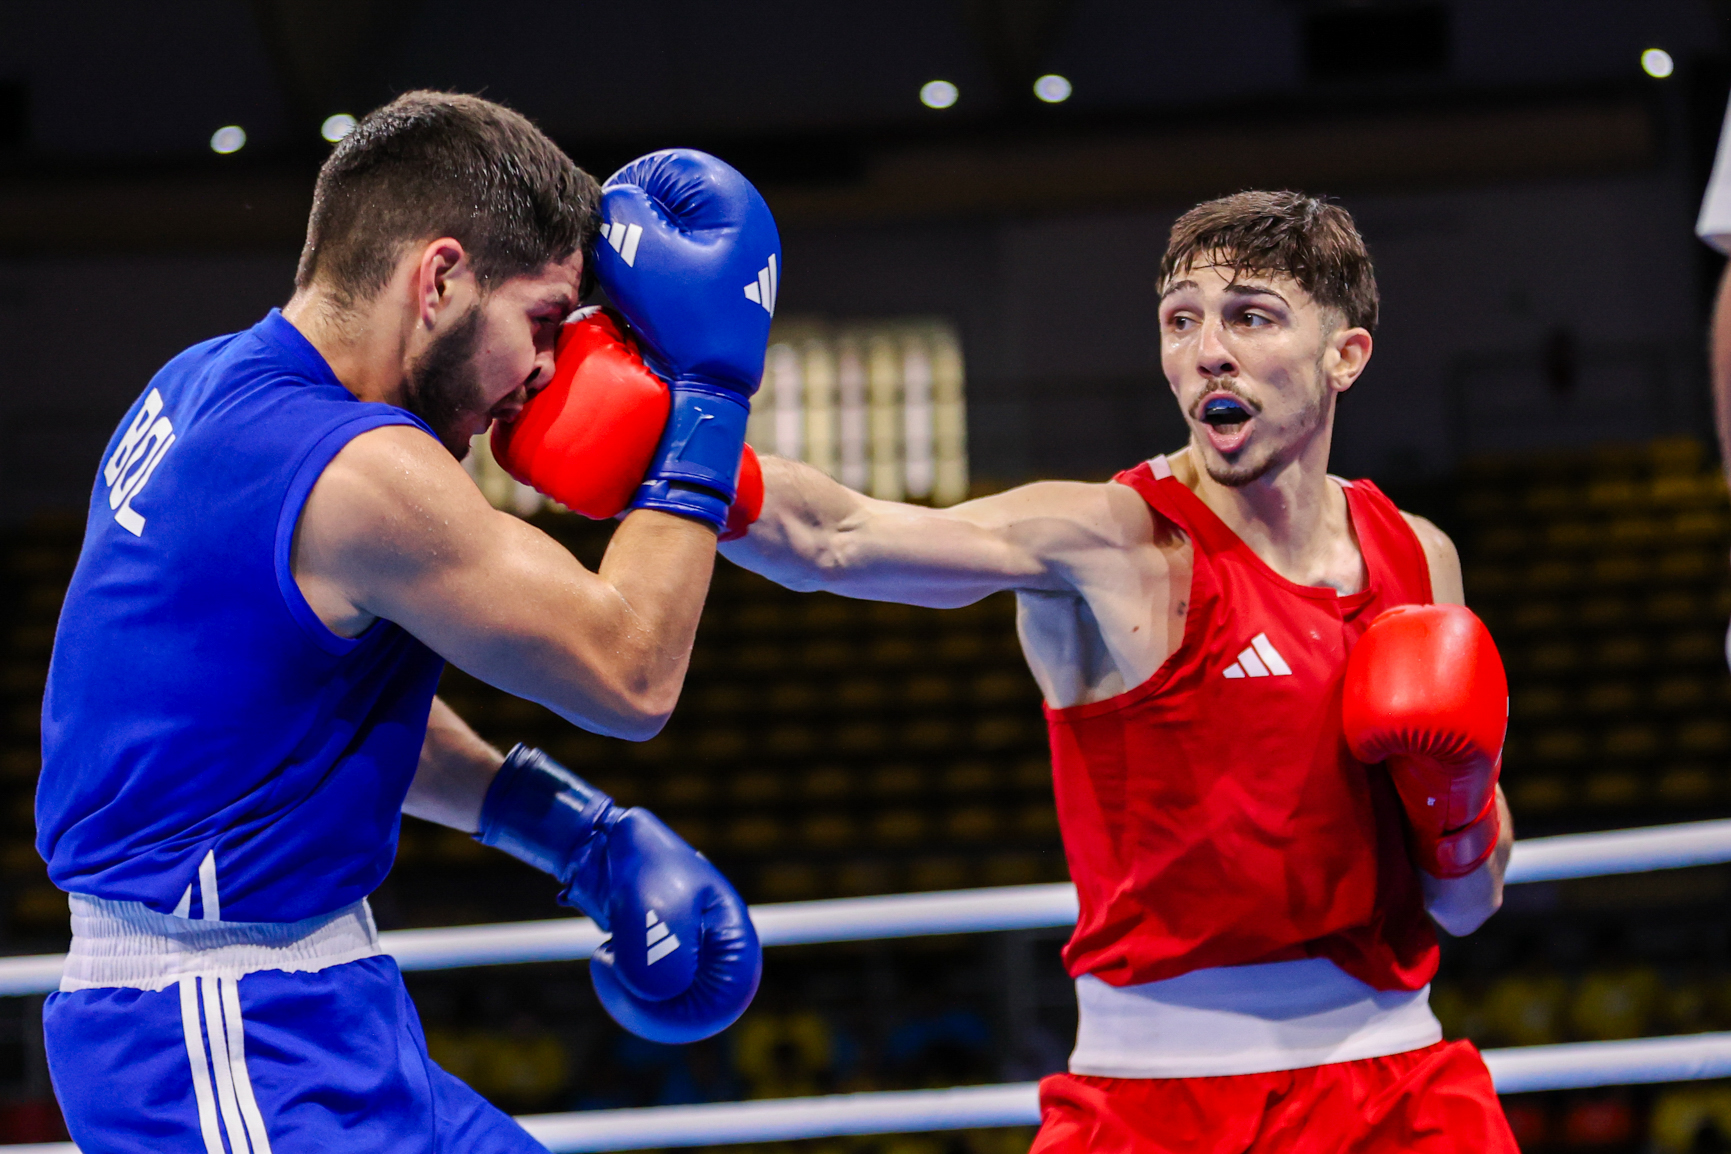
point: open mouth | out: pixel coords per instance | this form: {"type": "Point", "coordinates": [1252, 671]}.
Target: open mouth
{"type": "Point", "coordinates": [1224, 413]}
{"type": "Point", "coordinates": [1228, 420]}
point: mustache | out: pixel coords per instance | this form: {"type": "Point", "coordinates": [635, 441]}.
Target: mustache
{"type": "Point", "coordinates": [1231, 389]}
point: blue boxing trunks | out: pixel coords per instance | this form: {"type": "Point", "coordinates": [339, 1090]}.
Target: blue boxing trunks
{"type": "Point", "coordinates": [172, 1034]}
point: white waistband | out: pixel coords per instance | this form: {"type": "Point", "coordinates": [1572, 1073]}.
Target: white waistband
{"type": "Point", "coordinates": [127, 944]}
{"type": "Point", "coordinates": [1244, 1020]}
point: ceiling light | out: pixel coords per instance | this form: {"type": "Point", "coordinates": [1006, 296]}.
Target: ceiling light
{"type": "Point", "coordinates": [229, 138]}
{"type": "Point", "coordinates": [1052, 88]}
{"type": "Point", "coordinates": [1657, 63]}
{"type": "Point", "coordinates": [938, 94]}
{"type": "Point", "coordinates": [337, 126]}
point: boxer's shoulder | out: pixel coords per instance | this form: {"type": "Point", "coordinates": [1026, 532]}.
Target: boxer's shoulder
{"type": "Point", "coordinates": [1443, 559]}
{"type": "Point", "coordinates": [390, 502]}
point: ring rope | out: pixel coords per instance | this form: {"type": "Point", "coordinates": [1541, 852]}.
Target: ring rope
{"type": "Point", "coordinates": [1557, 858]}
{"type": "Point", "coordinates": [1514, 1070]}
{"type": "Point", "coordinates": [1519, 1069]}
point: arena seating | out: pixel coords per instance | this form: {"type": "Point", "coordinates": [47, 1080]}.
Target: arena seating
{"type": "Point", "coordinates": [1603, 576]}
{"type": "Point", "coordinates": [827, 747]}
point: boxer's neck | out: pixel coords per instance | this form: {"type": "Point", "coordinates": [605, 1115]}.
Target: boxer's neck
{"type": "Point", "coordinates": [1293, 516]}
{"type": "Point", "coordinates": [371, 345]}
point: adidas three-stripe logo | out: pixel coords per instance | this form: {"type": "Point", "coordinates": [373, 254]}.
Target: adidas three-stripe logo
{"type": "Point", "coordinates": [762, 290]}
{"type": "Point", "coordinates": [623, 237]}
{"type": "Point", "coordinates": [1259, 659]}
{"type": "Point", "coordinates": [662, 941]}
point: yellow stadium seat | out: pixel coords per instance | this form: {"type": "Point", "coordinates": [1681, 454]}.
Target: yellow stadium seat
{"type": "Point", "coordinates": [754, 833]}
{"type": "Point", "coordinates": [789, 740]}
{"type": "Point", "coordinates": [899, 827]}
{"type": "Point", "coordinates": [1540, 794]}
{"type": "Point", "coordinates": [971, 777]}
{"type": "Point", "coordinates": [1610, 697]}
{"type": "Point", "coordinates": [1688, 785]}
{"type": "Point", "coordinates": [789, 881]}
{"type": "Point", "coordinates": [755, 787]}
{"type": "Point", "coordinates": [897, 779]}
{"type": "Point", "coordinates": [939, 873]}
{"type": "Point", "coordinates": [1613, 789]}
{"type": "Point", "coordinates": [824, 782]}
{"type": "Point", "coordinates": [930, 735]}
{"type": "Point", "coordinates": [928, 692]}
{"type": "Point", "coordinates": [1689, 1117]}
{"type": "Point", "coordinates": [1614, 1004]}
{"type": "Point", "coordinates": [1525, 1009]}
{"type": "Point", "coordinates": [686, 789]}
{"type": "Point", "coordinates": [974, 823]}
{"type": "Point", "coordinates": [827, 831]}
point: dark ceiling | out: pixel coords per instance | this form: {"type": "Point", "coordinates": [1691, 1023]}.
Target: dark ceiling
{"type": "Point", "coordinates": [107, 107]}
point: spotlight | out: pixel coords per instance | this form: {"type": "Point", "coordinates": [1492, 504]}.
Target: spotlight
{"type": "Point", "coordinates": [1657, 63]}
{"type": "Point", "coordinates": [938, 94]}
{"type": "Point", "coordinates": [336, 127]}
{"type": "Point", "coordinates": [227, 139]}
{"type": "Point", "coordinates": [1052, 88]}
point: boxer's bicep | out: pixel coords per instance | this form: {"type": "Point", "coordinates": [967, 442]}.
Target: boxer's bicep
{"type": "Point", "coordinates": [398, 526]}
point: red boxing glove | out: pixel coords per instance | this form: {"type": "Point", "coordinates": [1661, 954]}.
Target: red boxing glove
{"type": "Point", "coordinates": [586, 439]}
{"type": "Point", "coordinates": [1425, 691]}
{"type": "Point", "coordinates": [747, 497]}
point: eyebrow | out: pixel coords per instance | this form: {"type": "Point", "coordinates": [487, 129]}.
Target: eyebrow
{"type": "Point", "coordinates": [1250, 290]}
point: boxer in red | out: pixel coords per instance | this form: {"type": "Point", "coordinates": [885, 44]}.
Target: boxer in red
{"type": "Point", "coordinates": [1275, 729]}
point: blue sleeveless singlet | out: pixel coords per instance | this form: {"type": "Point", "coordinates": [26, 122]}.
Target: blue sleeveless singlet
{"type": "Point", "coordinates": [209, 747]}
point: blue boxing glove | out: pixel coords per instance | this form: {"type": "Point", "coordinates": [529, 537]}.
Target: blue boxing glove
{"type": "Point", "coordinates": [684, 960]}
{"type": "Point", "coordinates": [689, 253]}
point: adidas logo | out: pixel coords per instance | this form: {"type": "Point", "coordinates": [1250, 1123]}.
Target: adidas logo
{"type": "Point", "coordinates": [623, 237]}
{"type": "Point", "coordinates": [662, 941]}
{"type": "Point", "coordinates": [1259, 659]}
{"type": "Point", "coordinates": [763, 289]}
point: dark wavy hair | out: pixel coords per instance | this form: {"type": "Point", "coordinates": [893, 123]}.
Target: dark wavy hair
{"type": "Point", "coordinates": [1304, 237]}
{"type": "Point", "coordinates": [432, 164]}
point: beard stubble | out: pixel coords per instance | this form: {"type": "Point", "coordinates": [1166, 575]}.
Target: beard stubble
{"type": "Point", "coordinates": [443, 383]}
{"type": "Point", "coordinates": [1310, 418]}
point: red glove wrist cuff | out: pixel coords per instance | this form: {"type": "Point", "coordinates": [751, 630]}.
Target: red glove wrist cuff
{"type": "Point", "coordinates": [1458, 854]}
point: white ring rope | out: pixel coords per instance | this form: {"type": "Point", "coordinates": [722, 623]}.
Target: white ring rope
{"type": "Point", "coordinates": [1576, 855]}
{"type": "Point", "coordinates": [1516, 1070]}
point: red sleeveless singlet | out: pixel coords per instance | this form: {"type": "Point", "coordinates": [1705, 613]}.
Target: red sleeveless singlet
{"type": "Point", "coordinates": [1213, 815]}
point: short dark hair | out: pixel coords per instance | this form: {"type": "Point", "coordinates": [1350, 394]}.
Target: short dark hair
{"type": "Point", "coordinates": [431, 164]}
{"type": "Point", "coordinates": [1304, 237]}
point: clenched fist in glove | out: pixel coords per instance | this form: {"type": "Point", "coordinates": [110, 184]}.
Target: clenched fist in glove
{"type": "Point", "coordinates": [690, 255]}
{"type": "Point", "coordinates": [587, 438]}
{"type": "Point", "coordinates": [684, 959]}
{"type": "Point", "coordinates": [1425, 691]}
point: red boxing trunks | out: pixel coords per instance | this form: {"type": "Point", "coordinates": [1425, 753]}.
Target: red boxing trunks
{"type": "Point", "coordinates": [1436, 1100]}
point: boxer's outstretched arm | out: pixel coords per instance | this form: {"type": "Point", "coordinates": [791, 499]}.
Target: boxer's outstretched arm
{"type": "Point", "coordinates": [395, 529]}
{"type": "Point", "coordinates": [815, 533]}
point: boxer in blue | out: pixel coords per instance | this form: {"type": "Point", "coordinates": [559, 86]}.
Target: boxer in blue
{"type": "Point", "coordinates": [282, 551]}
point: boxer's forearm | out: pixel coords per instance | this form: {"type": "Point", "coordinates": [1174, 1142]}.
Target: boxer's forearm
{"type": "Point", "coordinates": [455, 769]}
{"type": "Point", "coordinates": [1461, 905]}
{"type": "Point", "coordinates": [815, 533]}
{"type": "Point", "coordinates": [794, 538]}
{"type": "Point", "coordinates": [1719, 349]}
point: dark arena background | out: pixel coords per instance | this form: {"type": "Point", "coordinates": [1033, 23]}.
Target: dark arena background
{"type": "Point", "coordinates": [973, 197]}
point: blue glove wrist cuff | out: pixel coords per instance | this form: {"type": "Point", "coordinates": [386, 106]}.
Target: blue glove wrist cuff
{"type": "Point", "coordinates": [541, 813]}
{"type": "Point", "coordinates": [701, 444]}
{"type": "Point", "coordinates": [685, 501]}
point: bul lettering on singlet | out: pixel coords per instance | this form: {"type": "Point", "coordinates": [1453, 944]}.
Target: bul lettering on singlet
{"type": "Point", "coordinates": [135, 459]}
